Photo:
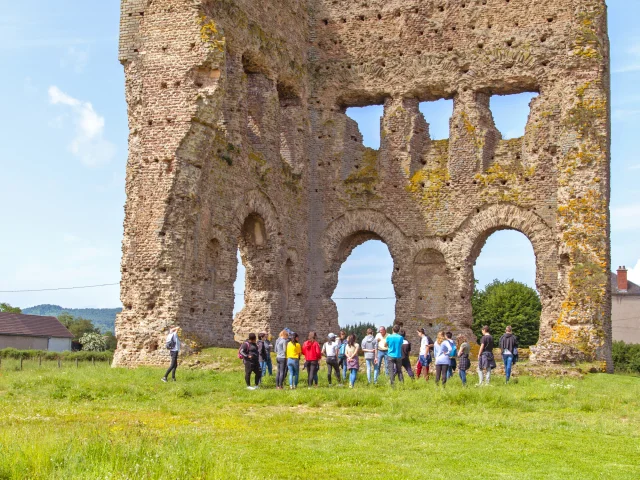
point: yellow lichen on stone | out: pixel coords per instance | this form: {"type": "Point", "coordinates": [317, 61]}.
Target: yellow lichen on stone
{"type": "Point", "coordinates": [364, 179]}
{"type": "Point", "coordinates": [504, 182]}
{"type": "Point", "coordinates": [587, 42]}
{"type": "Point", "coordinates": [428, 184]}
{"type": "Point", "coordinates": [209, 34]}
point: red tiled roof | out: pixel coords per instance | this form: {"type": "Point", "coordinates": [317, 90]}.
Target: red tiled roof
{"type": "Point", "coordinates": [32, 326]}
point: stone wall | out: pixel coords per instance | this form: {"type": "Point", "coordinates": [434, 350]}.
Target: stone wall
{"type": "Point", "coordinates": [239, 138]}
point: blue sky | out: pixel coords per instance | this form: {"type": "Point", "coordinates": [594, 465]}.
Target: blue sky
{"type": "Point", "coordinates": [64, 148]}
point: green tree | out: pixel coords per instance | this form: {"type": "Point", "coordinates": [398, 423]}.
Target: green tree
{"type": "Point", "coordinates": [78, 326]}
{"type": "Point", "coordinates": [93, 342]}
{"type": "Point", "coordinates": [6, 308]}
{"type": "Point", "coordinates": [110, 338]}
{"type": "Point", "coordinates": [359, 330]}
{"type": "Point", "coordinates": [508, 303]}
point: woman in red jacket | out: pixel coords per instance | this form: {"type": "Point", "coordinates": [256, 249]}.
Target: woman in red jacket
{"type": "Point", "coordinates": [312, 354]}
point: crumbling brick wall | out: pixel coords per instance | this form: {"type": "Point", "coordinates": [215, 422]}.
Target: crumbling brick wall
{"type": "Point", "coordinates": [239, 139]}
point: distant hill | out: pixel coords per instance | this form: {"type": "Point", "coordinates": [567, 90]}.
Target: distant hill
{"type": "Point", "coordinates": [103, 318]}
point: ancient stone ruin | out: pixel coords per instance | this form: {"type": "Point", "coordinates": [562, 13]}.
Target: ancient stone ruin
{"type": "Point", "coordinates": [239, 138]}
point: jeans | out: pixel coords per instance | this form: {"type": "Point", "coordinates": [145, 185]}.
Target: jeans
{"type": "Point", "coordinates": [508, 363]}
{"type": "Point", "coordinates": [463, 376]}
{"type": "Point", "coordinates": [395, 368]}
{"type": "Point", "coordinates": [343, 365]}
{"type": "Point", "coordinates": [282, 372]}
{"type": "Point", "coordinates": [249, 368]}
{"type": "Point", "coordinates": [488, 376]}
{"type": "Point", "coordinates": [312, 372]}
{"type": "Point", "coordinates": [370, 366]}
{"type": "Point", "coordinates": [266, 365]}
{"type": "Point", "coordinates": [174, 365]}
{"type": "Point", "coordinates": [441, 371]}
{"type": "Point", "coordinates": [332, 364]}
{"type": "Point", "coordinates": [352, 376]}
{"type": "Point", "coordinates": [382, 354]}
{"type": "Point", "coordinates": [293, 364]}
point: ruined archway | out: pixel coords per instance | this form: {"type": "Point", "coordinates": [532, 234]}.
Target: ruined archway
{"type": "Point", "coordinates": [340, 238]}
{"type": "Point", "coordinates": [472, 237]}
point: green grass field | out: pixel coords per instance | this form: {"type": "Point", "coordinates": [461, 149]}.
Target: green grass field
{"type": "Point", "coordinates": [94, 422]}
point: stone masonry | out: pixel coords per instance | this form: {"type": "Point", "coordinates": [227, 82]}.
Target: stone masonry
{"type": "Point", "coordinates": [239, 139]}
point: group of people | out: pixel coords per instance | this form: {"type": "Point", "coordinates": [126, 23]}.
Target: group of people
{"type": "Point", "coordinates": [342, 356]}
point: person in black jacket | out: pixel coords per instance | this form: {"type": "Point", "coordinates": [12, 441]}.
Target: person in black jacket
{"type": "Point", "coordinates": [406, 350]}
{"type": "Point", "coordinates": [251, 353]}
{"type": "Point", "coordinates": [508, 349]}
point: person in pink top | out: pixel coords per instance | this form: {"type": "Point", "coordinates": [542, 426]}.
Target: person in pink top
{"type": "Point", "coordinates": [312, 355]}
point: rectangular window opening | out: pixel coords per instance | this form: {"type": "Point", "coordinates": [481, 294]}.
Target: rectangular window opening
{"type": "Point", "coordinates": [437, 114]}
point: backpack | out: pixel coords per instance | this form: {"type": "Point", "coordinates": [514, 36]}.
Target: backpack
{"type": "Point", "coordinates": [171, 343]}
{"type": "Point", "coordinates": [342, 352]}
{"type": "Point", "coordinates": [454, 349]}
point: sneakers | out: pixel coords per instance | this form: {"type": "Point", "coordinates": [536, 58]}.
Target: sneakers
{"type": "Point", "coordinates": [164, 379]}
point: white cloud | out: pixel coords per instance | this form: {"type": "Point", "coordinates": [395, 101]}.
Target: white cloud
{"type": "Point", "coordinates": [76, 57]}
{"type": "Point", "coordinates": [635, 167]}
{"type": "Point", "coordinates": [88, 144]}
{"type": "Point", "coordinates": [623, 114]}
{"type": "Point", "coordinates": [632, 58]}
{"type": "Point", "coordinates": [626, 217]}
{"type": "Point", "coordinates": [634, 273]}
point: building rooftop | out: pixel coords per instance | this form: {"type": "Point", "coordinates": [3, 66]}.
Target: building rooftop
{"type": "Point", "coordinates": [32, 326]}
{"type": "Point", "coordinates": [632, 288]}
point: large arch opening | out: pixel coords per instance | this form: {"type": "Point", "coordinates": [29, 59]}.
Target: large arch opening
{"type": "Point", "coordinates": [505, 291]}
{"type": "Point", "coordinates": [364, 294]}
{"type": "Point", "coordinates": [254, 278]}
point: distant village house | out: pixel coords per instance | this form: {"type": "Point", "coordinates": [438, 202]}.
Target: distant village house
{"type": "Point", "coordinates": [33, 332]}
{"type": "Point", "coordinates": [625, 308]}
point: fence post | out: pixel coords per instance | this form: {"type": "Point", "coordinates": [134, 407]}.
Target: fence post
{"type": "Point", "coordinates": [39, 360]}
{"type": "Point", "coordinates": [76, 363]}
{"type": "Point", "coordinates": [21, 359]}
{"type": "Point", "coordinates": [59, 366]}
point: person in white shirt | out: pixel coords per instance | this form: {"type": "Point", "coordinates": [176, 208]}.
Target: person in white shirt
{"type": "Point", "coordinates": [424, 358]}
{"type": "Point", "coordinates": [330, 350]}
{"type": "Point", "coordinates": [173, 345]}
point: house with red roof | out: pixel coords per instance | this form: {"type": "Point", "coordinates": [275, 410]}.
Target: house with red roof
{"type": "Point", "coordinates": [33, 332]}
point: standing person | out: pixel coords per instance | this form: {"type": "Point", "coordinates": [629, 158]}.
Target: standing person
{"type": "Point", "coordinates": [394, 344]}
{"type": "Point", "coordinates": [424, 358]}
{"type": "Point", "coordinates": [251, 352]}
{"type": "Point", "coordinates": [173, 345]}
{"type": "Point", "coordinates": [406, 350]}
{"type": "Point", "coordinates": [453, 353]}
{"type": "Point", "coordinates": [267, 365]}
{"type": "Point", "coordinates": [508, 348]}
{"type": "Point", "coordinates": [293, 360]}
{"type": "Point", "coordinates": [330, 350]}
{"type": "Point", "coordinates": [463, 358]}
{"type": "Point", "coordinates": [441, 349]}
{"type": "Point", "coordinates": [342, 357]}
{"type": "Point", "coordinates": [353, 364]}
{"type": "Point", "coordinates": [281, 358]}
{"type": "Point", "coordinates": [485, 356]}
{"type": "Point", "coordinates": [312, 355]}
{"type": "Point", "coordinates": [369, 348]}
{"type": "Point", "coordinates": [382, 353]}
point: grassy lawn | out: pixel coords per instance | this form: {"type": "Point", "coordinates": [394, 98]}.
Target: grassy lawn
{"type": "Point", "coordinates": [95, 422]}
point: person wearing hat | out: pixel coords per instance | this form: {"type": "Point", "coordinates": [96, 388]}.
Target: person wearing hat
{"type": "Point", "coordinates": [382, 350]}
{"type": "Point", "coordinates": [173, 345]}
{"type": "Point", "coordinates": [330, 350]}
